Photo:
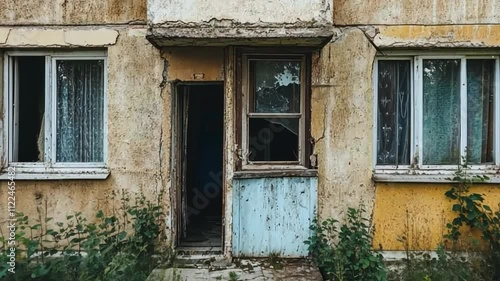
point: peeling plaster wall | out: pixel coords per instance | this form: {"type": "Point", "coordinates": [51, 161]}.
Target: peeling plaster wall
{"type": "Point", "coordinates": [247, 12]}
{"type": "Point", "coordinates": [428, 12]}
{"type": "Point", "coordinates": [55, 12]}
{"type": "Point", "coordinates": [138, 139]}
{"type": "Point", "coordinates": [341, 111]}
{"type": "Point", "coordinates": [442, 36]}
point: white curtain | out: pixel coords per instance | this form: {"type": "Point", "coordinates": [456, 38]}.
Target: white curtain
{"type": "Point", "coordinates": [80, 111]}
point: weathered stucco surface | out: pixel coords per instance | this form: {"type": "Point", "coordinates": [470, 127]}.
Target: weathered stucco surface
{"type": "Point", "coordinates": [248, 12]}
{"type": "Point", "coordinates": [56, 37]}
{"type": "Point", "coordinates": [341, 111]}
{"type": "Point", "coordinates": [418, 212]}
{"type": "Point", "coordinates": [427, 12]}
{"type": "Point", "coordinates": [140, 80]}
{"type": "Point", "coordinates": [40, 12]}
{"type": "Point", "coordinates": [138, 140]}
{"type": "Point", "coordinates": [445, 36]}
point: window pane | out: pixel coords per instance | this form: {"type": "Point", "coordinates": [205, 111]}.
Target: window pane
{"type": "Point", "coordinates": [276, 86]}
{"type": "Point", "coordinates": [441, 110]}
{"type": "Point", "coordinates": [273, 139]}
{"type": "Point", "coordinates": [480, 89]}
{"type": "Point", "coordinates": [80, 110]}
{"type": "Point", "coordinates": [29, 101]}
{"type": "Point", "coordinates": [393, 132]}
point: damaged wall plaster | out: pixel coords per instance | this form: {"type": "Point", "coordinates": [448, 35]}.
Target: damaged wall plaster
{"type": "Point", "coordinates": [52, 37]}
{"type": "Point", "coordinates": [341, 111]}
{"type": "Point", "coordinates": [233, 13]}
{"type": "Point", "coordinates": [71, 12]}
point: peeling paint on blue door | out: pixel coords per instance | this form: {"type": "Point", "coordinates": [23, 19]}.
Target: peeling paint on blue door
{"type": "Point", "coordinates": [272, 216]}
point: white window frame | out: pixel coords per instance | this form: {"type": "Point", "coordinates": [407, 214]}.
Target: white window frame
{"type": "Point", "coordinates": [49, 168]}
{"type": "Point", "coordinates": [246, 114]}
{"type": "Point", "coordinates": [416, 171]}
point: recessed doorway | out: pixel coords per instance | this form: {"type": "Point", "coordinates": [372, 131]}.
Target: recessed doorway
{"type": "Point", "coordinates": [200, 112]}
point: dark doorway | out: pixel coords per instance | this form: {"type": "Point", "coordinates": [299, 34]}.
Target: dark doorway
{"type": "Point", "coordinates": [202, 191]}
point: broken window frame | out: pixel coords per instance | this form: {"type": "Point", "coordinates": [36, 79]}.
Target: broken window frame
{"type": "Point", "coordinates": [49, 168]}
{"type": "Point", "coordinates": [303, 149]}
{"type": "Point", "coordinates": [416, 169]}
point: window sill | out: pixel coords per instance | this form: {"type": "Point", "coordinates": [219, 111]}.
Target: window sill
{"type": "Point", "coordinates": [429, 176]}
{"type": "Point", "coordinates": [56, 174]}
{"type": "Point", "coordinates": [255, 174]}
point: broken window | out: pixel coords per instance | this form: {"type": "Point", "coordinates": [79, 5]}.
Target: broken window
{"type": "Point", "coordinates": [56, 109]}
{"type": "Point", "coordinates": [274, 110]}
{"type": "Point", "coordinates": [453, 110]}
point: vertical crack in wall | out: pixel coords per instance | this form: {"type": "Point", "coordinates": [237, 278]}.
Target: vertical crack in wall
{"type": "Point", "coordinates": [162, 86]}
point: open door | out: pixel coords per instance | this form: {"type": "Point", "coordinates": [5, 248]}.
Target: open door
{"type": "Point", "coordinates": [199, 155]}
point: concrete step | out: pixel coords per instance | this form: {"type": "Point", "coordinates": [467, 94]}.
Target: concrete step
{"type": "Point", "coordinates": [240, 270]}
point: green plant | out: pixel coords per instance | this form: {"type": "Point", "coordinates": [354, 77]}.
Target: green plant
{"type": "Point", "coordinates": [473, 213]}
{"type": "Point", "coordinates": [233, 276]}
{"type": "Point", "coordinates": [346, 253]}
{"type": "Point", "coordinates": [275, 261]}
{"type": "Point", "coordinates": [116, 247]}
{"type": "Point", "coordinates": [446, 266]}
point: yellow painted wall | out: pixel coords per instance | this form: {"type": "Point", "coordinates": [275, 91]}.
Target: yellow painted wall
{"type": "Point", "coordinates": [418, 212]}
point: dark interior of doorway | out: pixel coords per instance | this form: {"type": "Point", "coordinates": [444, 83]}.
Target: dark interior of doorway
{"type": "Point", "coordinates": [204, 167]}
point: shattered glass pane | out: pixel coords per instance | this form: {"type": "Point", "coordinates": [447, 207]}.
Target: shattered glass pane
{"type": "Point", "coordinates": [273, 139]}
{"type": "Point", "coordinates": [276, 86]}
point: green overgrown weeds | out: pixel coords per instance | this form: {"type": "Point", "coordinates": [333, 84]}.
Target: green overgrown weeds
{"type": "Point", "coordinates": [119, 246]}
{"type": "Point", "coordinates": [344, 252]}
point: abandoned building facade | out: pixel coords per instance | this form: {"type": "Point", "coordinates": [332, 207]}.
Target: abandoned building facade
{"type": "Point", "coordinates": [251, 117]}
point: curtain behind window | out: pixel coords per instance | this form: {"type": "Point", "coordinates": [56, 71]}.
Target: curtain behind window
{"type": "Point", "coordinates": [80, 111]}
{"type": "Point", "coordinates": [480, 89]}
{"type": "Point", "coordinates": [393, 119]}
{"type": "Point", "coordinates": [441, 110]}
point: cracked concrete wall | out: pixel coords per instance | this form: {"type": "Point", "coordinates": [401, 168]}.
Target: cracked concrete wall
{"type": "Point", "coordinates": [71, 12]}
{"type": "Point", "coordinates": [425, 12]}
{"type": "Point", "coordinates": [341, 110]}
{"type": "Point", "coordinates": [138, 138]}
{"type": "Point", "coordinates": [239, 12]}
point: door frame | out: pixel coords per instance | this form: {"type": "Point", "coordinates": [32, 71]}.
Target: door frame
{"type": "Point", "coordinates": [179, 116]}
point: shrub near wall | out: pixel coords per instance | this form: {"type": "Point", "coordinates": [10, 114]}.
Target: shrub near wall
{"type": "Point", "coordinates": [114, 247]}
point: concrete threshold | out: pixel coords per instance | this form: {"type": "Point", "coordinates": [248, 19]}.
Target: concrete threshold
{"type": "Point", "coordinates": [272, 269]}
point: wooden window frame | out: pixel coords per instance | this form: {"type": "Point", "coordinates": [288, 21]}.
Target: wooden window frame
{"type": "Point", "coordinates": [243, 110]}
{"type": "Point", "coordinates": [48, 169]}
